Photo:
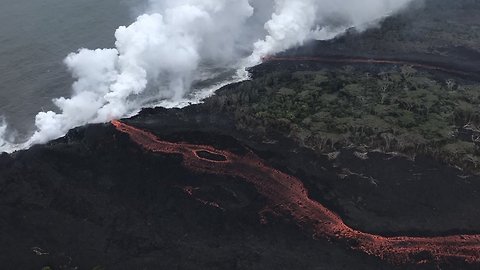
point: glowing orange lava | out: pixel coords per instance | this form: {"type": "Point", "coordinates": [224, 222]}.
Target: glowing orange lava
{"type": "Point", "coordinates": [289, 194]}
{"type": "Point", "coordinates": [364, 61]}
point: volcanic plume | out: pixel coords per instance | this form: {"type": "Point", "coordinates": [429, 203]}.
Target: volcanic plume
{"type": "Point", "coordinates": [178, 43]}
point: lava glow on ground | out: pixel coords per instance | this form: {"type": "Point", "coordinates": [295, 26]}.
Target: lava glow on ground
{"type": "Point", "coordinates": [352, 61]}
{"type": "Point", "coordinates": [288, 194]}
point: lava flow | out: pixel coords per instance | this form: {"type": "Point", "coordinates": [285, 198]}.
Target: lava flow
{"type": "Point", "coordinates": [365, 61]}
{"type": "Point", "coordinates": [288, 194]}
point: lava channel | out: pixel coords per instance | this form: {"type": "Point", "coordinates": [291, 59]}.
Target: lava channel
{"type": "Point", "coordinates": [288, 194]}
{"type": "Point", "coordinates": [365, 61]}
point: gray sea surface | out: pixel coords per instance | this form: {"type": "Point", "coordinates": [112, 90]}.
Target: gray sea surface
{"type": "Point", "coordinates": [35, 37]}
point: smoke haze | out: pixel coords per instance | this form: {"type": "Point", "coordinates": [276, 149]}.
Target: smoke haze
{"type": "Point", "coordinates": [177, 45]}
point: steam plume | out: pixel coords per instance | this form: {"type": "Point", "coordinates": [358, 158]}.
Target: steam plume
{"type": "Point", "coordinates": [180, 42]}
{"type": "Point", "coordinates": [296, 21]}
{"type": "Point", "coordinates": [3, 130]}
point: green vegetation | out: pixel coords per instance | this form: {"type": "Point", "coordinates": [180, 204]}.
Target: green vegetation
{"type": "Point", "coordinates": [399, 110]}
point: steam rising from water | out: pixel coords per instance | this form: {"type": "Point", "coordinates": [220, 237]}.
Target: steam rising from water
{"type": "Point", "coordinates": [163, 57]}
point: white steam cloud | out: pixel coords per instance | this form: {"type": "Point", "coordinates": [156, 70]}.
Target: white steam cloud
{"type": "Point", "coordinates": [3, 131]}
{"type": "Point", "coordinates": [178, 43]}
{"type": "Point", "coordinates": [296, 21]}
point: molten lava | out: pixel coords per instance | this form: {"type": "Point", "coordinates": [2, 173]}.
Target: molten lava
{"type": "Point", "coordinates": [288, 194]}
{"type": "Point", "coordinates": [364, 61]}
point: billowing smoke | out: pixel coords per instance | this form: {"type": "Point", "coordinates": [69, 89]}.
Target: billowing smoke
{"type": "Point", "coordinates": [179, 44]}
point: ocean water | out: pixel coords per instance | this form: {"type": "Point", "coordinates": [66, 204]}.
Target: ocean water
{"type": "Point", "coordinates": [35, 37]}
